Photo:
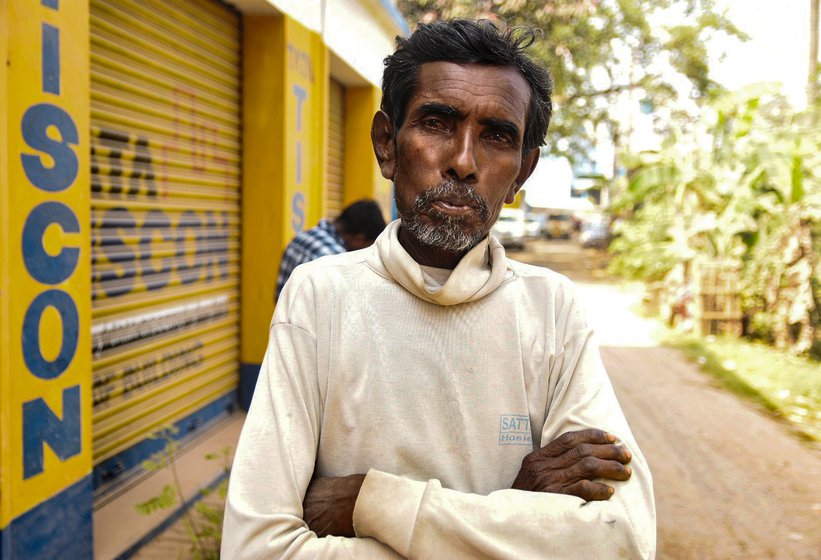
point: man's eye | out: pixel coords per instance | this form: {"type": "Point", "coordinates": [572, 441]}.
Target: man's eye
{"type": "Point", "coordinates": [433, 124]}
{"type": "Point", "coordinates": [499, 138]}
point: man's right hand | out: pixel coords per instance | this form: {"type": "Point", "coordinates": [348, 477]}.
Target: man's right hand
{"type": "Point", "coordinates": [570, 464]}
{"type": "Point", "coordinates": [329, 503]}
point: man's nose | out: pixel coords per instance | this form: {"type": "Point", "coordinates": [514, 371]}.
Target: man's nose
{"type": "Point", "coordinates": [463, 165]}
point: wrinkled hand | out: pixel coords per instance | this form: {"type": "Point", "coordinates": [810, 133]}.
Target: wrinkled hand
{"type": "Point", "coordinates": [570, 464]}
{"type": "Point", "coordinates": [329, 503]}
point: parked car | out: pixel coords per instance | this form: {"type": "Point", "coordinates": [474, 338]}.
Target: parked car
{"type": "Point", "coordinates": [559, 226]}
{"type": "Point", "coordinates": [536, 225]}
{"type": "Point", "coordinates": [595, 234]}
{"type": "Point", "coordinates": [510, 228]}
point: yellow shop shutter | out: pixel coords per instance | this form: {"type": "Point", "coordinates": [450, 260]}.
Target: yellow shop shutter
{"type": "Point", "coordinates": [334, 195]}
{"type": "Point", "coordinates": [165, 188]}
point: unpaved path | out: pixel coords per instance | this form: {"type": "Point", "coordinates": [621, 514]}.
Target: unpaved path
{"type": "Point", "coordinates": [730, 481]}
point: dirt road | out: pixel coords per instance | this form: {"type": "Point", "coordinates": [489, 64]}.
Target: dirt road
{"type": "Point", "coordinates": [730, 482]}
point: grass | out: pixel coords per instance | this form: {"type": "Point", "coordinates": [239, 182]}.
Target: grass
{"type": "Point", "coordinates": [787, 386]}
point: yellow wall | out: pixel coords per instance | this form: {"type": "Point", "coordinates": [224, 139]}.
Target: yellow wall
{"type": "Point", "coordinates": [285, 68]}
{"type": "Point", "coordinates": [285, 142]}
{"type": "Point", "coordinates": [518, 202]}
{"type": "Point", "coordinates": [45, 292]}
{"type": "Point", "coordinates": [362, 176]}
{"type": "Point", "coordinates": [263, 208]}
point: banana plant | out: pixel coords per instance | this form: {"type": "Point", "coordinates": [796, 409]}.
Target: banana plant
{"type": "Point", "coordinates": [741, 183]}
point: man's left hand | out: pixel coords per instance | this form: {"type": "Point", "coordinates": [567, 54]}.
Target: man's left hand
{"type": "Point", "coordinates": [329, 503]}
{"type": "Point", "coordinates": [573, 463]}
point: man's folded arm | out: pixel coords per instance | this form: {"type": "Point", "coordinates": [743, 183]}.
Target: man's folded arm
{"type": "Point", "coordinates": [275, 461]}
{"type": "Point", "coordinates": [425, 520]}
{"type": "Point", "coordinates": [421, 519]}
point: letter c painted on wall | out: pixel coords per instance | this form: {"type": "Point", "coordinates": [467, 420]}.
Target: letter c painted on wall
{"type": "Point", "coordinates": [45, 268]}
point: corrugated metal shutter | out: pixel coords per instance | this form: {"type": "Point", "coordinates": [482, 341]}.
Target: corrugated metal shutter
{"type": "Point", "coordinates": [336, 151]}
{"type": "Point", "coordinates": [165, 187]}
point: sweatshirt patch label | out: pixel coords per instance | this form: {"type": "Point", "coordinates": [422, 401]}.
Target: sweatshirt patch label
{"type": "Point", "coordinates": [514, 429]}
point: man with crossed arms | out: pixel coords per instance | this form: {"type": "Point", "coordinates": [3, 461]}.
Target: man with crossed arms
{"type": "Point", "coordinates": [428, 397]}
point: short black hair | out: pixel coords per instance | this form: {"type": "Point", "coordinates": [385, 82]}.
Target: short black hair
{"type": "Point", "coordinates": [363, 216]}
{"type": "Point", "coordinates": [467, 41]}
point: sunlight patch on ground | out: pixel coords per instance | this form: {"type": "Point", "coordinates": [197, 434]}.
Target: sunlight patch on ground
{"type": "Point", "coordinates": [612, 309]}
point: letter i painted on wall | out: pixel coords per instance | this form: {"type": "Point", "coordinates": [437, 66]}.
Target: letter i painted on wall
{"type": "Point", "coordinates": [301, 95]}
{"type": "Point", "coordinates": [51, 59]}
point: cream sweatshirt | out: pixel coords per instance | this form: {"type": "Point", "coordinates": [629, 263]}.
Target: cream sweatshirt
{"type": "Point", "coordinates": [437, 392]}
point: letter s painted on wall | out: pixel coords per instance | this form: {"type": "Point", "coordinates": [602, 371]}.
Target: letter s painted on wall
{"type": "Point", "coordinates": [36, 122]}
{"type": "Point", "coordinates": [298, 208]}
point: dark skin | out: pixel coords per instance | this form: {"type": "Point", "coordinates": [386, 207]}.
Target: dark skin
{"type": "Point", "coordinates": [575, 463]}
{"type": "Point", "coordinates": [355, 241]}
{"type": "Point", "coordinates": [466, 122]}
{"type": "Point", "coordinates": [329, 503]}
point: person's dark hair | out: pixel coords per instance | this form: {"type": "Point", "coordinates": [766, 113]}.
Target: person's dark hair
{"type": "Point", "coordinates": [363, 216]}
{"type": "Point", "coordinates": [467, 41]}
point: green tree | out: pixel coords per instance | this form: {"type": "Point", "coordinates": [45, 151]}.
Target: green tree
{"type": "Point", "coordinates": [741, 184]}
{"type": "Point", "coordinates": [598, 49]}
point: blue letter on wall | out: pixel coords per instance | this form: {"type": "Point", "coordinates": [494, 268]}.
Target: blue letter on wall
{"type": "Point", "coordinates": [43, 267]}
{"type": "Point", "coordinates": [36, 122]}
{"type": "Point", "coordinates": [41, 426]}
{"type": "Point", "coordinates": [38, 365]}
{"type": "Point", "coordinates": [298, 208]}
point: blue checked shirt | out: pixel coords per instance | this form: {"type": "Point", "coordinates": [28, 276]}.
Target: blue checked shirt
{"type": "Point", "coordinates": [306, 246]}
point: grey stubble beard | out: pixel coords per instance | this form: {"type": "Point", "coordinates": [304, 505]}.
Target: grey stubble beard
{"type": "Point", "coordinates": [449, 232]}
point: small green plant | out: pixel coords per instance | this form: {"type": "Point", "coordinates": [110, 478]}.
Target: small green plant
{"type": "Point", "coordinates": [204, 525]}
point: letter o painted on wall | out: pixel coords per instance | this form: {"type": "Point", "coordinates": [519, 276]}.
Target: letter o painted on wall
{"type": "Point", "coordinates": [32, 354]}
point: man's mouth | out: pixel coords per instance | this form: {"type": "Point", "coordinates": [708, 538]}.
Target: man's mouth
{"type": "Point", "coordinates": [451, 200]}
{"type": "Point", "coordinates": [453, 207]}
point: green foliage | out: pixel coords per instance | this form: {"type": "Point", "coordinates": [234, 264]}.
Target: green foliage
{"type": "Point", "coordinates": [740, 184]}
{"type": "Point", "coordinates": [166, 499]}
{"type": "Point", "coordinates": [599, 49]}
{"type": "Point", "coordinates": [205, 528]}
{"type": "Point", "coordinates": [643, 249]}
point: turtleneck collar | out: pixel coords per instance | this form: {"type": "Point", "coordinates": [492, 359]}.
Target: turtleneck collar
{"type": "Point", "coordinates": [480, 272]}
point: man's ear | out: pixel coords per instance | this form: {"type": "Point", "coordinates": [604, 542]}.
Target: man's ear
{"type": "Point", "coordinates": [529, 162]}
{"type": "Point", "coordinates": [384, 144]}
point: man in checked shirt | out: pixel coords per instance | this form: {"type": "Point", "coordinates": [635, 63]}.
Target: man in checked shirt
{"type": "Point", "coordinates": [356, 228]}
